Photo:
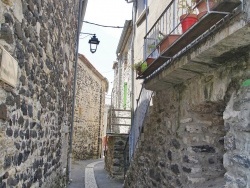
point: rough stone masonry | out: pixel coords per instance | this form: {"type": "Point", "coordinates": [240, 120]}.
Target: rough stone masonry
{"type": "Point", "coordinates": [197, 134]}
{"type": "Point", "coordinates": [114, 159]}
{"type": "Point", "coordinates": [89, 111]}
{"type": "Point", "coordinates": [35, 115]}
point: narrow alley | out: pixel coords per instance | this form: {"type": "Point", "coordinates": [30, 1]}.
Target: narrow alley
{"type": "Point", "coordinates": [91, 174]}
{"type": "Point", "coordinates": [165, 97]}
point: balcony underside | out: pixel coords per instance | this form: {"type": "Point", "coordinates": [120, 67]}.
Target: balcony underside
{"type": "Point", "coordinates": [206, 56]}
{"type": "Point", "coordinates": [197, 32]}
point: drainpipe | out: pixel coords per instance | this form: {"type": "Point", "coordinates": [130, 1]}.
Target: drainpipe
{"type": "Point", "coordinates": [146, 31]}
{"type": "Point", "coordinates": [132, 71]}
{"type": "Point", "coordinates": [118, 92]}
{"type": "Point", "coordinates": [74, 90]}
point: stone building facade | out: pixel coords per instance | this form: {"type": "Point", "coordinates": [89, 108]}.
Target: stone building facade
{"type": "Point", "coordinates": [35, 112]}
{"type": "Point", "coordinates": [89, 111]}
{"type": "Point", "coordinates": [114, 159]}
{"type": "Point", "coordinates": [121, 103]}
{"type": "Point", "coordinates": [191, 139]}
{"type": "Point", "coordinates": [196, 134]}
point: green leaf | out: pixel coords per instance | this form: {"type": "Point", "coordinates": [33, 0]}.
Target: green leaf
{"type": "Point", "coordinates": [144, 66]}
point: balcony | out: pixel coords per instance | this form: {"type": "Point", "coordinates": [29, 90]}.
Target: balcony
{"type": "Point", "coordinates": [169, 38]}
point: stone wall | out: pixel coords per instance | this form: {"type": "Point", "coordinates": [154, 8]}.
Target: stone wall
{"type": "Point", "coordinates": [35, 115]}
{"type": "Point", "coordinates": [89, 111]}
{"type": "Point", "coordinates": [183, 141]}
{"type": "Point", "coordinates": [237, 139]}
{"type": "Point", "coordinates": [114, 158]}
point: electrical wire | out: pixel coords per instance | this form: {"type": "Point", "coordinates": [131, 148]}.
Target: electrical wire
{"type": "Point", "coordinates": [117, 27]}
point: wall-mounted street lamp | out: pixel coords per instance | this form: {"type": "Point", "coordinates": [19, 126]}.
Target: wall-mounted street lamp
{"type": "Point", "coordinates": [93, 42]}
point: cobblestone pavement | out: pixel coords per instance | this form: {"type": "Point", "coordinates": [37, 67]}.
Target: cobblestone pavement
{"type": "Point", "coordinates": [91, 174]}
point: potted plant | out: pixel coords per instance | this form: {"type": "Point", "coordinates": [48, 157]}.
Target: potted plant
{"type": "Point", "coordinates": [137, 67]}
{"type": "Point", "coordinates": [167, 41]}
{"type": "Point", "coordinates": [202, 6]}
{"type": "Point", "coordinates": [140, 67]}
{"type": "Point", "coordinates": [149, 60]}
{"type": "Point", "coordinates": [188, 19]}
{"type": "Point", "coordinates": [144, 66]}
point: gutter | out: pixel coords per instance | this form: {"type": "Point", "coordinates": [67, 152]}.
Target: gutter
{"type": "Point", "coordinates": [83, 9]}
{"type": "Point", "coordinates": [132, 74]}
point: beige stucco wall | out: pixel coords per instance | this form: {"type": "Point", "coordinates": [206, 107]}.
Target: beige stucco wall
{"type": "Point", "coordinates": [155, 8]}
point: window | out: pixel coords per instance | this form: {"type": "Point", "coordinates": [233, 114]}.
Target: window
{"type": "Point", "coordinates": [142, 5]}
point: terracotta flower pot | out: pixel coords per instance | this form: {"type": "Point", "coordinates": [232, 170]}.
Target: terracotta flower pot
{"type": "Point", "coordinates": [202, 7]}
{"type": "Point", "coordinates": [187, 21]}
{"type": "Point", "coordinates": [149, 60]}
{"type": "Point", "coordinates": [168, 41]}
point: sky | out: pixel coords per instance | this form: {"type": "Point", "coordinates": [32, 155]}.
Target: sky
{"type": "Point", "coordinates": [108, 13]}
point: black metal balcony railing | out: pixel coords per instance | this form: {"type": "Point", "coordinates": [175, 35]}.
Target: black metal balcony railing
{"type": "Point", "coordinates": [168, 37]}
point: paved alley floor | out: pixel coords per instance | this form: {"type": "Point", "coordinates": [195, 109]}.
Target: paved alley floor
{"type": "Point", "coordinates": [91, 174]}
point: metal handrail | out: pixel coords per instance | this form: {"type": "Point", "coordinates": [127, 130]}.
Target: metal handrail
{"type": "Point", "coordinates": [145, 97]}
{"type": "Point", "coordinates": [139, 96]}
{"type": "Point", "coordinates": [139, 117]}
